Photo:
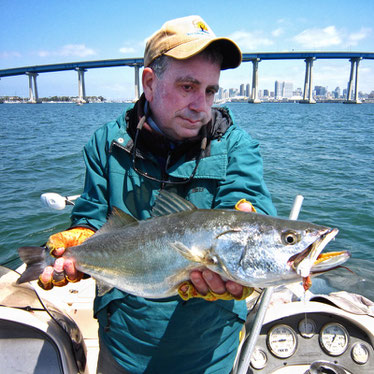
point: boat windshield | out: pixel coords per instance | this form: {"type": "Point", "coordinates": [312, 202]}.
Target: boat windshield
{"type": "Point", "coordinates": [23, 296]}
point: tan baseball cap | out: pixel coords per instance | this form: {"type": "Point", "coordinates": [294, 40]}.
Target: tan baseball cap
{"type": "Point", "coordinates": [185, 37]}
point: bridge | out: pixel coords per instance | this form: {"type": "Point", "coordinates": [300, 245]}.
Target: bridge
{"type": "Point", "coordinates": [81, 67]}
{"type": "Point", "coordinates": [309, 57]}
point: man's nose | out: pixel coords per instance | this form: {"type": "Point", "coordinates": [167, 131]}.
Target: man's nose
{"type": "Point", "coordinates": [199, 102]}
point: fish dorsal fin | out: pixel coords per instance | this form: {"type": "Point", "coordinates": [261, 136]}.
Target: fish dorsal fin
{"type": "Point", "coordinates": [117, 219]}
{"type": "Point", "coordinates": [169, 202]}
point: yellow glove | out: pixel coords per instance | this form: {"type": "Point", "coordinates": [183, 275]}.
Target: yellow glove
{"type": "Point", "coordinates": [65, 239]}
{"type": "Point", "coordinates": [59, 279]}
{"type": "Point", "coordinates": [250, 206]}
{"type": "Point", "coordinates": [68, 238]}
{"type": "Point", "coordinates": [187, 290]}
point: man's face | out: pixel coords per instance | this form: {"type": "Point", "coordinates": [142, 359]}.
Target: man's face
{"type": "Point", "coordinates": [182, 98]}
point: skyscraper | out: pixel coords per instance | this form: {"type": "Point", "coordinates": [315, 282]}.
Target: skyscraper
{"type": "Point", "coordinates": [278, 90]}
{"type": "Point", "coordinates": [287, 89]}
{"type": "Point", "coordinates": [247, 90]}
{"type": "Point", "coordinates": [283, 90]}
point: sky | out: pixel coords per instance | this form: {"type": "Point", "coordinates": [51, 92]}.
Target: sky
{"type": "Point", "coordinates": [53, 31]}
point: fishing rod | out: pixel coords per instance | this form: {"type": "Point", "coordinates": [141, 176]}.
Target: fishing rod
{"type": "Point", "coordinates": [250, 342]}
{"type": "Point", "coordinates": [55, 201]}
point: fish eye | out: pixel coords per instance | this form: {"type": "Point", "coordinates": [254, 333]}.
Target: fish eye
{"type": "Point", "coordinates": [290, 238]}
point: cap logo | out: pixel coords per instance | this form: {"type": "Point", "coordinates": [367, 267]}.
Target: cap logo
{"type": "Point", "coordinates": [201, 26]}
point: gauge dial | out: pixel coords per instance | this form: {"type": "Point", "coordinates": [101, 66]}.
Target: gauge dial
{"type": "Point", "coordinates": [360, 353]}
{"type": "Point", "coordinates": [334, 339]}
{"type": "Point", "coordinates": [282, 341]}
{"type": "Point", "coordinates": [258, 359]}
{"type": "Point", "coordinates": [307, 328]}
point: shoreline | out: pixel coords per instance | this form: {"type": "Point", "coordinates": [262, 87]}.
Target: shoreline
{"type": "Point", "coordinates": [371, 101]}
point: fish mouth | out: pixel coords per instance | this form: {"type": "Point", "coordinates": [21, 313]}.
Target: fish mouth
{"type": "Point", "coordinates": [304, 261]}
{"type": "Point", "coordinates": [329, 260]}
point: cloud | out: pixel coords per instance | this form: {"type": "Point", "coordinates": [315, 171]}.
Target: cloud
{"type": "Point", "coordinates": [69, 50]}
{"type": "Point", "coordinates": [79, 50]}
{"type": "Point", "coordinates": [9, 54]}
{"type": "Point", "coordinates": [277, 32]}
{"type": "Point", "coordinates": [281, 20]}
{"type": "Point", "coordinates": [317, 38]}
{"type": "Point", "coordinates": [355, 37]}
{"type": "Point", "coordinates": [43, 53]}
{"type": "Point", "coordinates": [127, 50]}
{"type": "Point", "coordinates": [250, 40]}
{"type": "Point", "coordinates": [133, 48]}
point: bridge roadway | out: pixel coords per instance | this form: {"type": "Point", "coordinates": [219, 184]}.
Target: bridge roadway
{"type": "Point", "coordinates": [255, 58]}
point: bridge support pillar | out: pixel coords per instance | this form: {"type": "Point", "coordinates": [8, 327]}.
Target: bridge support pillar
{"type": "Point", "coordinates": [33, 88]}
{"type": "Point", "coordinates": [137, 86]}
{"type": "Point", "coordinates": [81, 86]}
{"type": "Point", "coordinates": [308, 95]}
{"type": "Point", "coordinates": [254, 95]}
{"type": "Point", "coordinates": [354, 72]}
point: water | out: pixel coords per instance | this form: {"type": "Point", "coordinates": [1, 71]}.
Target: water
{"type": "Point", "coordinates": [324, 152]}
{"type": "Point", "coordinates": [41, 151]}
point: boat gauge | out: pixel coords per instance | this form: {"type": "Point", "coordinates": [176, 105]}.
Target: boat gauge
{"type": "Point", "coordinates": [360, 353]}
{"type": "Point", "coordinates": [282, 341]}
{"type": "Point", "coordinates": [334, 338]}
{"type": "Point", "coordinates": [307, 328]}
{"type": "Point", "coordinates": [258, 359]}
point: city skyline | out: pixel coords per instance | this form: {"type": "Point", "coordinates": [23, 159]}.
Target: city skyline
{"type": "Point", "coordinates": [287, 90]}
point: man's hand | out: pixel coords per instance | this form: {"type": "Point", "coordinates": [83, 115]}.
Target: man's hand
{"type": "Point", "coordinates": [210, 286]}
{"type": "Point", "coordinates": [206, 280]}
{"type": "Point", "coordinates": [245, 206]}
{"type": "Point", "coordinates": [63, 270]}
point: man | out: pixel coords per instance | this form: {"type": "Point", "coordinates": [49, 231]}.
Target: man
{"type": "Point", "coordinates": [171, 139]}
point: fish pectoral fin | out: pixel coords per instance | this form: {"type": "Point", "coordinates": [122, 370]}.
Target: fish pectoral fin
{"type": "Point", "coordinates": [102, 288]}
{"type": "Point", "coordinates": [192, 254]}
{"type": "Point", "coordinates": [186, 251]}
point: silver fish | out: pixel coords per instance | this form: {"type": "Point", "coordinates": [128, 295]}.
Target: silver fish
{"type": "Point", "coordinates": [151, 258]}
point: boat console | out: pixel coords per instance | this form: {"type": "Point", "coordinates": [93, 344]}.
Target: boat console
{"type": "Point", "coordinates": [313, 337]}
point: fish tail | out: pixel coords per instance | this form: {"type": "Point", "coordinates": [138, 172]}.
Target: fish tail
{"type": "Point", "coordinates": [35, 260]}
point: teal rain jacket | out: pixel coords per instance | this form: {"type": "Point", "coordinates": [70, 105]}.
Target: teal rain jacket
{"type": "Point", "coordinates": [169, 335]}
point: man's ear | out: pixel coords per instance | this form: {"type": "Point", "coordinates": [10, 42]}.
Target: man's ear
{"type": "Point", "coordinates": [148, 81]}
